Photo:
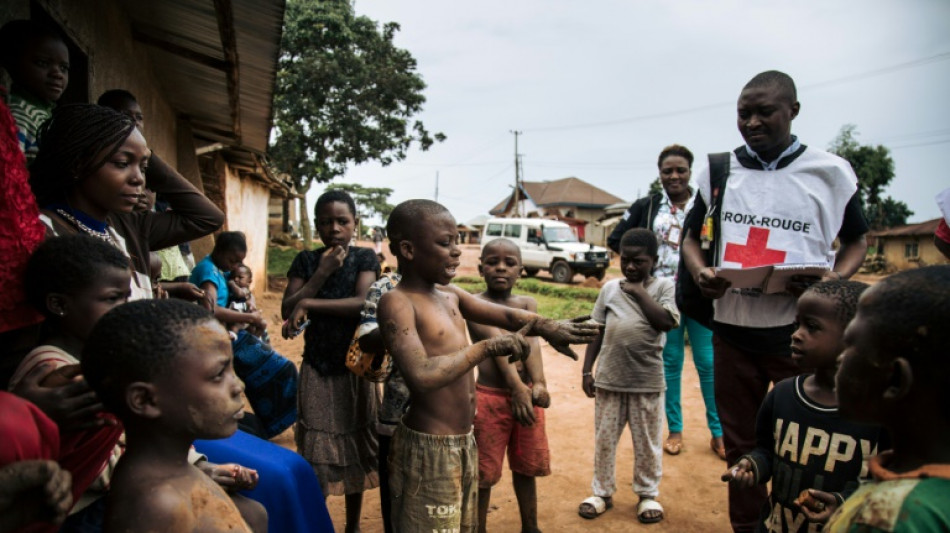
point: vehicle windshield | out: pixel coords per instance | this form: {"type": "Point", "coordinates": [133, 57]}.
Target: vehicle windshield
{"type": "Point", "coordinates": [559, 235]}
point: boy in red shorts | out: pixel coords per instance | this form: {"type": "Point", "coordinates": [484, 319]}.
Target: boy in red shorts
{"type": "Point", "coordinates": [509, 397]}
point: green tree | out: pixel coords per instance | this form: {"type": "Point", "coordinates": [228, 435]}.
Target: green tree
{"type": "Point", "coordinates": [655, 186]}
{"type": "Point", "coordinates": [875, 170]}
{"type": "Point", "coordinates": [345, 94]}
{"type": "Point", "coordinates": [369, 200]}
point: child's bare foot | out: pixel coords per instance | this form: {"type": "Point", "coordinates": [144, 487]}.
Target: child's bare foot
{"type": "Point", "coordinates": [674, 443]}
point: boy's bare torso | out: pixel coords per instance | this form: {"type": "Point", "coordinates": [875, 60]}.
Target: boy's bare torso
{"type": "Point", "coordinates": [489, 374]}
{"type": "Point", "coordinates": [152, 497]}
{"type": "Point", "coordinates": [449, 410]}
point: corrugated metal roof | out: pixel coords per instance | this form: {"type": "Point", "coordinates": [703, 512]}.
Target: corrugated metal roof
{"type": "Point", "coordinates": [923, 228]}
{"type": "Point", "coordinates": [563, 192]}
{"type": "Point", "coordinates": [193, 63]}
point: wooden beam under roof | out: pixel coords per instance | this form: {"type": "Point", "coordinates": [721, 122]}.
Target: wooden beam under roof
{"type": "Point", "coordinates": [225, 14]}
{"type": "Point", "coordinates": [178, 50]}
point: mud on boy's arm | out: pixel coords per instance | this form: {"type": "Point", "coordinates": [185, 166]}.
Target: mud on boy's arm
{"type": "Point", "coordinates": [426, 372]}
{"type": "Point", "coordinates": [560, 334]}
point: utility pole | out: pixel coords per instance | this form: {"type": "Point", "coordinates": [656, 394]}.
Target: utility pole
{"type": "Point", "coordinates": [436, 185]}
{"type": "Point", "coordinates": [517, 194]}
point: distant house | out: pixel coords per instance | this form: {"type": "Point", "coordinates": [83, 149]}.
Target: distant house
{"type": "Point", "coordinates": [471, 232]}
{"type": "Point", "coordinates": [571, 200]}
{"type": "Point", "coordinates": [203, 73]}
{"type": "Point", "coordinates": [910, 246]}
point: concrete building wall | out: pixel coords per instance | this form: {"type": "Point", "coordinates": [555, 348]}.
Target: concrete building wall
{"type": "Point", "coordinates": [927, 253]}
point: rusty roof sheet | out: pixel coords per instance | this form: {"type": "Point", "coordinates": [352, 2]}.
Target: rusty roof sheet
{"type": "Point", "coordinates": [193, 64]}
{"type": "Point", "coordinates": [922, 228]}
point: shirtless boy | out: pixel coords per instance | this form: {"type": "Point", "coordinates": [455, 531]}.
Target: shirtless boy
{"type": "Point", "coordinates": [510, 397]}
{"type": "Point", "coordinates": [433, 460]}
{"type": "Point", "coordinates": [165, 368]}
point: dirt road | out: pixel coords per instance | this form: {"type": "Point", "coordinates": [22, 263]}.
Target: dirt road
{"type": "Point", "coordinates": [693, 496]}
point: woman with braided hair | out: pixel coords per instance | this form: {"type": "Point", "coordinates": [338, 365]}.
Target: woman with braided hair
{"type": "Point", "coordinates": [88, 176]}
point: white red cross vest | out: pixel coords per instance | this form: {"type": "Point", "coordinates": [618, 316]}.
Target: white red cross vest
{"type": "Point", "coordinates": [788, 215]}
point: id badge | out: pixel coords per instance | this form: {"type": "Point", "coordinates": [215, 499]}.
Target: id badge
{"type": "Point", "coordinates": [673, 236]}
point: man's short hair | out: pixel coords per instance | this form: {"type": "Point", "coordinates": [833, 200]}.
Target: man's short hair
{"type": "Point", "coordinates": [407, 216]}
{"type": "Point", "coordinates": [641, 237]}
{"type": "Point", "coordinates": [137, 341]}
{"type": "Point", "coordinates": [783, 81]}
{"type": "Point", "coordinates": [230, 241]}
{"type": "Point", "coordinates": [843, 293]}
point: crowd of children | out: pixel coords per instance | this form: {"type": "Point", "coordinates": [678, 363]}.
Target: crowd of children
{"type": "Point", "coordinates": [121, 373]}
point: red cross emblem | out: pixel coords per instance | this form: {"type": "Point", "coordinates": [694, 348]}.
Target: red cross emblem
{"type": "Point", "coordinates": [755, 252]}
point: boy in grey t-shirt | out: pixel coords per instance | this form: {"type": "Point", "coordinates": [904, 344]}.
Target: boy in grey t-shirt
{"type": "Point", "coordinates": [629, 384]}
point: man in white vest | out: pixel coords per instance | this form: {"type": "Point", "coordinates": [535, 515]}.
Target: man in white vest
{"type": "Point", "coordinates": [783, 202]}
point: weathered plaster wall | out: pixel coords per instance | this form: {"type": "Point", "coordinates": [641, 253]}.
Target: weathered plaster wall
{"type": "Point", "coordinates": [247, 204]}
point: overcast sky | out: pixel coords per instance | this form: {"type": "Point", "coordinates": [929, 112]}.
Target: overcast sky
{"type": "Point", "coordinates": [598, 88]}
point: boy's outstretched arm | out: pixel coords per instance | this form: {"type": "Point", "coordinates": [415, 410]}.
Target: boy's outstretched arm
{"type": "Point", "coordinates": [560, 334]}
{"type": "Point", "coordinates": [423, 373]}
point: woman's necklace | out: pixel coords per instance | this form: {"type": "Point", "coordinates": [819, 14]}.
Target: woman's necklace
{"type": "Point", "coordinates": [104, 235]}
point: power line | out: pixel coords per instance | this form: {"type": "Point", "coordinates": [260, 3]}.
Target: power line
{"type": "Point", "coordinates": [820, 85]}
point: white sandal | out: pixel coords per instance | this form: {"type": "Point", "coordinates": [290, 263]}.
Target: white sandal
{"type": "Point", "coordinates": [598, 506]}
{"type": "Point", "coordinates": [646, 505]}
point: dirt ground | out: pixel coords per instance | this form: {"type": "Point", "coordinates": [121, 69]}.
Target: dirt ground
{"type": "Point", "coordinates": [691, 493]}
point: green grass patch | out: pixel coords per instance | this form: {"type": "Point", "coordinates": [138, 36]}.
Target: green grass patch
{"type": "Point", "coordinates": [279, 260]}
{"type": "Point", "coordinates": [554, 301]}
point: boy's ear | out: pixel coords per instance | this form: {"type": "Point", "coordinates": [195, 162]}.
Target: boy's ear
{"type": "Point", "coordinates": [901, 382]}
{"type": "Point", "coordinates": [406, 249]}
{"type": "Point", "coordinates": [140, 399]}
{"type": "Point", "coordinates": [57, 303]}
{"type": "Point", "coordinates": [796, 108]}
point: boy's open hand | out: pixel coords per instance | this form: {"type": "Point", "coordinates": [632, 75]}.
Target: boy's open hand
{"type": "Point", "coordinates": [816, 505]}
{"type": "Point", "coordinates": [560, 334]}
{"type": "Point", "coordinates": [521, 407]}
{"type": "Point", "coordinates": [741, 474]}
{"type": "Point", "coordinates": [20, 485]}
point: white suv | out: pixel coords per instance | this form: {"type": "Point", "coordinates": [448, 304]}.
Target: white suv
{"type": "Point", "coordinates": [549, 245]}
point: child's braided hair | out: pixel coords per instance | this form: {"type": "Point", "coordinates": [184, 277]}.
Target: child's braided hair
{"type": "Point", "coordinates": [74, 143]}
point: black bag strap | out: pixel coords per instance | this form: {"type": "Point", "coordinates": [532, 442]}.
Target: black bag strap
{"type": "Point", "coordinates": [718, 173]}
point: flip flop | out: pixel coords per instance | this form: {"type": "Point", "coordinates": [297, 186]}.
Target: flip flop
{"type": "Point", "coordinates": [646, 505]}
{"type": "Point", "coordinates": [673, 446]}
{"type": "Point", "coordinates": [594, 506]}
{"type": "Point", "coordinates": [719, 450]}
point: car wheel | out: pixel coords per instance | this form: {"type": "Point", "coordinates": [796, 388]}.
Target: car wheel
{"type": "Point", "coordinates": [600, 274]}
{"type": "Point", "coordinates": [561, 272]}
{"type": "Point", "coordinates": [531, 272]}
